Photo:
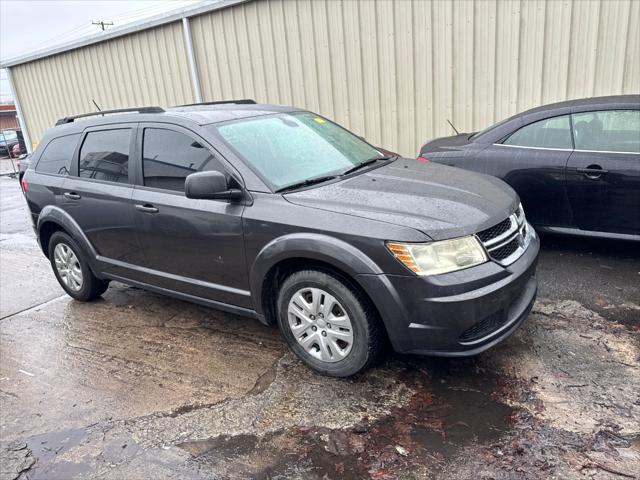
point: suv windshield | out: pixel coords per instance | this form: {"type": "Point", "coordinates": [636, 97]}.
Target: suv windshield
{"type": "Point", "coordinates": [287, 149]}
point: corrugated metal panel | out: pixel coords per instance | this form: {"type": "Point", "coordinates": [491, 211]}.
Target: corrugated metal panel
{"type": "Point", "coordinates": [396, 71]}
{"type": "Point", "coordinates": [393, 71]}
{"type": "Point", "coordinates": [145, 68]}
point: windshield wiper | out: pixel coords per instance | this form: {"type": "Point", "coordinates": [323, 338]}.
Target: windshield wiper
{"type": "Point", "coordinates": [305, 183]}
{"type": "Point", "coordinates": [365, 163]}
{"type": "Point", "coordinates": [313, 181]}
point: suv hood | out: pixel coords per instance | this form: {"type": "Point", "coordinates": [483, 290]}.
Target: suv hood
{"type": "Point", "coordinates": [440, 201]}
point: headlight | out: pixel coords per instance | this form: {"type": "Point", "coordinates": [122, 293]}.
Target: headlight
{"type": "Point", "coordinates": [521, 216]}
{"type": "Point", "coordinates": [439, 257]}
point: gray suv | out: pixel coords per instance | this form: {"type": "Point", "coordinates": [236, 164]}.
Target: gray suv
{"type": "Point", "coordinates": [279, 214]}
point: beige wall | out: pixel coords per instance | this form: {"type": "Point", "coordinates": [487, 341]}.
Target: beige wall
{"type": "Point", "coordinates": [392, 71]}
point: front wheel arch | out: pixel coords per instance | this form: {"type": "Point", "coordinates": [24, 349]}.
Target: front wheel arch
{"type": "Point", "coordinates": [296, 251]}
{"type": "Point", "coordinates": [282, 270]}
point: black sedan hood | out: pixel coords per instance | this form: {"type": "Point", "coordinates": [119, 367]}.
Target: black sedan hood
{"type": "Point", "coordinates": [440, 201]}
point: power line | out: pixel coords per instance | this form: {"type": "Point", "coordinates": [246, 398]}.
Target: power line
{"type": "Point", "coordinates": [87, 29]}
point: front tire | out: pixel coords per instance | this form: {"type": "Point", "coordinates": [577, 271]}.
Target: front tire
{"type": "Point", "coordinates": [327, 323]}
{"type": "Point", "coordinates": [72, 270]}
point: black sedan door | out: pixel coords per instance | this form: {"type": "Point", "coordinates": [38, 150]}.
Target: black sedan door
{"type": "Point", "coordinates": [603, 172]}
{"type": "Point", "coordinates": [532, 160]}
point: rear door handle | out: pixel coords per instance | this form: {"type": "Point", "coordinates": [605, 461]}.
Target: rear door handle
{"type": "Point", "coordinates": [147, 208]}
{"type": "Point", "coordinates": [72, 195]}
{"type": "Point", "coordinates": [592, 171]}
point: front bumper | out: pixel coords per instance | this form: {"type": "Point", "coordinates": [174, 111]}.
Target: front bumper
{"type": "Point", "coordinates": [456, 314]}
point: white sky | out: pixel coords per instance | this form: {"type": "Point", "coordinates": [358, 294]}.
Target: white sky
{"type": "Point", "coordinates": [30, 25]}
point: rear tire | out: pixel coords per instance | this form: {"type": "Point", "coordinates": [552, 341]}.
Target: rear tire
{"type": "Point", "coordinates": [72, 269]}
{"type": "Point", "coordinates": [308, 302]}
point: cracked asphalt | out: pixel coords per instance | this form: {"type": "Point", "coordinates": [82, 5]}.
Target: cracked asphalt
{"type": "Point", "coordinates": [138, 386]}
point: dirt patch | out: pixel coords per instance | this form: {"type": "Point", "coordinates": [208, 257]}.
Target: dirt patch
{"type": "Point", "coordinates": [582, 369]}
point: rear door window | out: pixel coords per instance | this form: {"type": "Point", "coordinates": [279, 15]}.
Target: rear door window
{"type": "Point", "coordinates": [104, 155]}
{"type": "Point", "coordinates": [548, 133]}
{"type": "Point", "coordinates": [57, 155]}
{"type": "Point", "coordinates": [607, 131]}
{"type": "Point", "coordinates": [169, 156]}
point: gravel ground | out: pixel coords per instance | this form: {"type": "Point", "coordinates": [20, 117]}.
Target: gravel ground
{"type": "Point", "coordinates": [137, 385]}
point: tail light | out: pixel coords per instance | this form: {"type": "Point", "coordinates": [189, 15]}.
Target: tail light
{"type": "Point", "coordinates": [423, 160]}
{"type": "Point", "coordinates": [23, 184]}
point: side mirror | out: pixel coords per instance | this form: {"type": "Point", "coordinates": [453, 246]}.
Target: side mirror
{"type": "Point", "coordinates": [210, 186]}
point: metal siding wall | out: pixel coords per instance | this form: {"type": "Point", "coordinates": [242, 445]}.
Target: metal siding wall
{"type": "Point", "coordinates": [145, 68]}
{"type": "Point", "coordinates": [393, 71]}
{"type": "Point", "coordinates": [631, 77]}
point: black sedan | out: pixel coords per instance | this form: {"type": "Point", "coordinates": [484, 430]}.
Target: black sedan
{"type": "Point", "coordinates": [575, 164]}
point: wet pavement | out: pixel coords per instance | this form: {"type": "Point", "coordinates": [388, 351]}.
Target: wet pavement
{"type": "Point", "coordinates": [8, 166]}
{"type": "Point", "coordinates": [137, 385]}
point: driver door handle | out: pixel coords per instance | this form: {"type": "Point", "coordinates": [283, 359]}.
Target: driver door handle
{"type": "Point", "coordinates": [147, 208]}
{"type": "Point", "coordinates": [72, 195]}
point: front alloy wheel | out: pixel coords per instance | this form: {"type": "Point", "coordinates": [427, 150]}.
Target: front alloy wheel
{"type": "Point", "coordinates": [328, 322]}
{"type": "Point", "coordinates": [320, 324]}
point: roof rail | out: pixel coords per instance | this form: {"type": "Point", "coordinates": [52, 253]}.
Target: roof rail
{"type": "Point", "coordinates": [72, 118]}
{"type": "Point", "coordinates": [243, 101]}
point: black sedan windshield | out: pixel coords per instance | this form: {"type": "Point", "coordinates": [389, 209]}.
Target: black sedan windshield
{"type": "Point", "coordinates": [287, 149]}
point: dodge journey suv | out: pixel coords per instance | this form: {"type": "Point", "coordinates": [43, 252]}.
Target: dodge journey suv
{"type": "Point", "coordinates": [279, 214]}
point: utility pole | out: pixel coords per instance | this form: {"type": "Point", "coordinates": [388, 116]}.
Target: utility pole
{"type": "Point", "coordinates": [102, 24]}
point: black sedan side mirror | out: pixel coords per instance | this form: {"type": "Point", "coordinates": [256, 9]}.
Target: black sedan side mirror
{"type": "Point", "coordinates": [211, 185]}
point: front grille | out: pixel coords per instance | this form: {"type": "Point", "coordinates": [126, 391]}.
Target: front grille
{"type": "Point", "coordinates": [495, 231]}
{"type": "Point", "coordinates": [506, 250]}
{"type": "Point", "coordinates": [507, 240]}
{"type": "Point", "coordinates": [483, 327]}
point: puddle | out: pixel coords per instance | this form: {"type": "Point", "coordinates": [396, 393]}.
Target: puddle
{"type": "Point", "coordinates": [225, 446]}
{"type": "Point", "coordinates": [70, 454]}
{"type": "Point", "coordinates": [48, 448]}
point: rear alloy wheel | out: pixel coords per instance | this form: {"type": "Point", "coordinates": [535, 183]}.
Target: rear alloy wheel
{"type": "Point", "coordinates": [328, 323]}
{"type": "Point", "coordinates": [68, 266]}
{"type": "Point", "coordinates": [72, 270]}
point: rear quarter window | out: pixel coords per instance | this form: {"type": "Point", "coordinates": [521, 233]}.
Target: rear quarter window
{"type": "Point", "coordinates": [57, 155]}
{"type": "Point", "coordinates": [552, 132]}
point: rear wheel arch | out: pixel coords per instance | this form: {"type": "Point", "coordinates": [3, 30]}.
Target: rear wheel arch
{"type": "Point", "coordinates": [53, 219]}
{"type": "Point", "coordinates": [46, 231]}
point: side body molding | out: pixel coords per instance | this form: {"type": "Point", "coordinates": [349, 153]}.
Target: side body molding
{"type": "Point", "coordinates": [56, 215]}
{"type": "Point", "coordinates": [312, 246]}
